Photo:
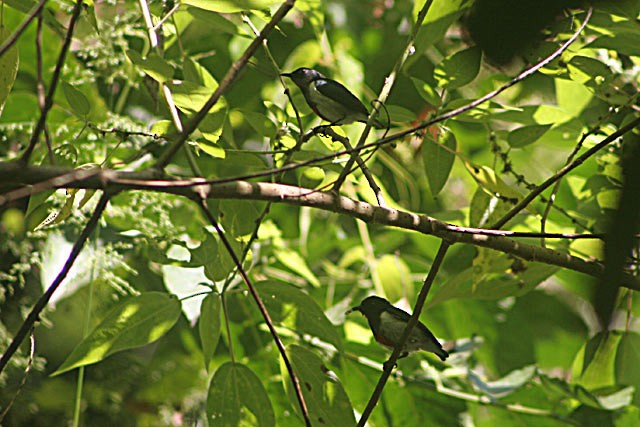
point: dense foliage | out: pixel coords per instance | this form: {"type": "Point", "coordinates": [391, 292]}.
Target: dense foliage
{"type": "Point", "coordinates": [154, 324]}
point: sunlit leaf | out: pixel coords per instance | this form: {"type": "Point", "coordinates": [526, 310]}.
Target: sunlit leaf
{"type": "Point", "coordinates": [134, 322]}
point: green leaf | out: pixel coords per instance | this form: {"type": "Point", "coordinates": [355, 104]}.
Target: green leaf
{"type": "Point", "coordinates": [395, 277]}
{"type": "Point", "coordinates": [259, 122]}
{"type": "Point", "coordinates": [132, 323]}
{"type": "Point", "coordinates": [458, 69]}
{"type": "Point", "coordinates": [231, 6]}
{"type": "Point", "coordinates": [594, 367]}
{"type": "Point", "coordinates": [216, 259]}
{"type": "Point", "coordinates": [76, 99]}
{"type": "Point", "coordinates": [526, 135]}
{"type": "Point", "coordinates": [427, 93]}
{"type": "Point", "coordinates": [8, 67]}
{"type": "Point", "coordinates": [237, 397]}
{"type": "Point", "coordinates": [153, 66]}
{"type": "Point", "coordinates": [627, 363]}
{"type": "Point", "coordinates": [627, 43]}
{"type": "Point", "coordinates": [327, 402]}
{"type": "Point", "coordinates": [209, 326]}
{"type": "Point", "coordinates": [297, 311]}
{"type": "Point", "coordinates": [438, 158]}
{"type": "Point", "coordinates": [294, 261]}
{"type": "Point", "coordinates": [491, 182]}
{"type": "Point", "coordinates": [441, 15]}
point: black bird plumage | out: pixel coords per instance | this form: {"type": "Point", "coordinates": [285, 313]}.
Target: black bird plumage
{"type": "Point", "coordinates": [388, 322]}
{"type": "Point", "coordinates": [329, 99]}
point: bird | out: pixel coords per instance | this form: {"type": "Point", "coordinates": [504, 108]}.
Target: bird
{"type": "Point", "coordinates": [388, 322]}
{"type": "Point", "coordinates": [329, 99]}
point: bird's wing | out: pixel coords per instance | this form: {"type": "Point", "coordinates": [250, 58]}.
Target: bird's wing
{"type": "Point", "coordinates": [404, 316]}
{"type": "Point", "coordinates": [341, 95]}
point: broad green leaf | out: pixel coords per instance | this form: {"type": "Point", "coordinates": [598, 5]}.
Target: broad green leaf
{"type": "Point", "coordinates": [237, 397]}
{"type": "Point", "coordinates": [438, 158]}
{"type": "Point", "coordinates": [133, 322]}
{"type": "Point", "coordinates": [196, 73]}
{"type": "Point", "coordinates": [327, 402]}
{"type": "Point", "coordinates": [294, 261]}
{"type": "Point", "coordinates": [231, 6]}
{"type": "Point", "coordinates": [458, 69]}
{"type": "Point", "coordinates": [209, 326]}
{"type": "Point", "coordinates": [627, 363]}
{"type": "Point", "coordinates": [486, 209]}
{"type": "Point", "coordinates": [594, 367]}
{"type": "Point", "coordinates": [526, 135]}
{"type": "Point", "coordinates": [609, 199]}
{"type": "Point", "coordinates": [395, 277]}
{"type": "Point", "coordinates": [297, 311]}
{"type": "Point", "coordinates": [589, 71]}
{"type": "Point", "coordinates": [76, 99]}
{"type": "Point", "coordinates": [214, 257]}
{"type": "Point", "coordinates": [627, 43]}
{"type": "Point", "coordinates": [8, 67]}
{"type": "Point", "coordinates": [441, 15]}
{"type": "Point", "coordinates": [154, 66]}
{"type": "Point", "coordinates": [260, 123]}
{"type": "Point", "coordinates": [427, 93]}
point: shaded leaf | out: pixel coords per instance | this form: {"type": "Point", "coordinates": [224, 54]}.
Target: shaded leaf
{"type": "Point", "coordinates": [76, 99]}
{"type": "Point", "coordinates": [526, 135]}
{"type": "Point", "coordinates": [297, 311]}
{"type": "Point", "coordinates": [438, 158]}
{"type": "Point", "coordinates": [459, 69]}
{"type": "Point", "coordinates": [294, 261]}
{"type": "Point", "coordinates": [237, 398]}
{"type": "Point", "coordinates": [327, 402]}
{"type": "Point", "coordinates": [209, 325]}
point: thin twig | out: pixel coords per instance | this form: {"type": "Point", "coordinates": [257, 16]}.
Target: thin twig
{"type": "Point", "coordinates": [21, 29]}
{"type": "Point", "coordinates": [202, 202]}
{"type": "Point", "coordinates": [413, 321]}
{"type": "Point", "coordinates": [40, 89]}
{"type": "Point", "coordinates": [27, 370]}
{"type": "Point", "coordinates": [55, 78]}
{"type": "Point", "coordinates": [42, 302]}
{"type": "Point", "coordinates": [562, 172]}
{"type": "Point", "coordinates": [386, 90]}
{"type": "Point", "coordinates": [224, 85]}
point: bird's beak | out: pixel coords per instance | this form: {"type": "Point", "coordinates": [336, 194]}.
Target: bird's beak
{"type": "Point", "coordinates": [285, 74]}
{"type": "Point", "coordinates": [351, 310]}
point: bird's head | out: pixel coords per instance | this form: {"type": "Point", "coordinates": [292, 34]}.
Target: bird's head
{"type": "Point", "coordinates": [371, 306]}
{"type": "Point", "coordinates": [303, 76]}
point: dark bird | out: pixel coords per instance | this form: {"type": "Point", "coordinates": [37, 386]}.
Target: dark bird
{"type": "Point", "coordinates": [388, 322]}
{"type": "Point", "coordinates": [329, 99]}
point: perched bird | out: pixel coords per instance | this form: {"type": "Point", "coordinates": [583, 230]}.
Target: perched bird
{"type": "Point", "coordinates": [388, 322]}
{"type": "Point", "coordinates": [329, 99]}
